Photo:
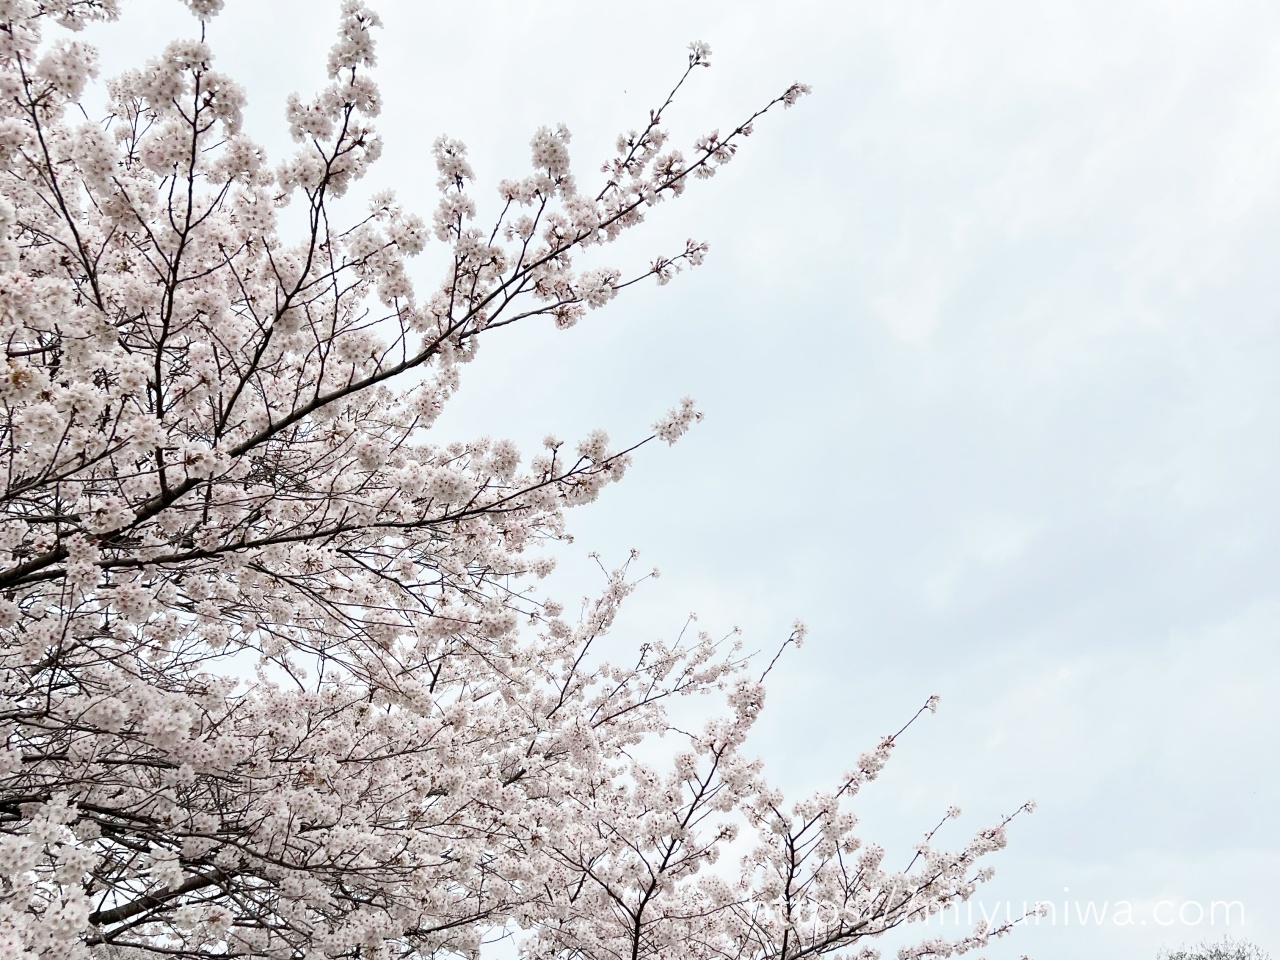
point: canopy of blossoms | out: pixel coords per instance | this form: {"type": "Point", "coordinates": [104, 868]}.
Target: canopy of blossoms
{"type": "Point", "coordinates": [278, 678]}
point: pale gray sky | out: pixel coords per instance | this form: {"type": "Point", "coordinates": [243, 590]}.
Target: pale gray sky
{"type": "Point", "coordinates": [987, 344]}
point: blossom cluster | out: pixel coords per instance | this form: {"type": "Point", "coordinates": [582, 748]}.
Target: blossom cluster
{"type": "Point", "coordinates": [277, 676]}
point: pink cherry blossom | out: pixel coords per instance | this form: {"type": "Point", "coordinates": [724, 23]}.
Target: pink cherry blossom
{"type": "Point", "coordinates": [279, 675]}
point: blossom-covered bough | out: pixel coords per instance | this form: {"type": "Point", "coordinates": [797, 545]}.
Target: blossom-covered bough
{"type": "Point", "coordinates": [277, 680]}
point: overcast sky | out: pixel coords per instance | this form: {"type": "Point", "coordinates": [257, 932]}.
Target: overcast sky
{"type": "Point", "coordinates": [987, 344]}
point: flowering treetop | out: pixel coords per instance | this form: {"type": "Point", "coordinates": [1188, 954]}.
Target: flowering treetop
{"type": "Point", "coordinates": [277, 676]}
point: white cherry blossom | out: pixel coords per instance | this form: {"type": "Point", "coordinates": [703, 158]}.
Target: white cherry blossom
{"type": "Point", "coordinates": [278, 675]}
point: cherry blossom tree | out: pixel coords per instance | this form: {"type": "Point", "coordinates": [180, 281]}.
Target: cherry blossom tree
{"type": "Point", "coordinates": [278, 677]}
{"type": "Point", "coordinates": [1225, 949]}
